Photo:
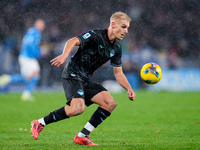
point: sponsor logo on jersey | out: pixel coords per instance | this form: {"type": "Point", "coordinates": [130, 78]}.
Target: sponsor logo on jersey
{"type": "Point", "coordinates": [87, 35]}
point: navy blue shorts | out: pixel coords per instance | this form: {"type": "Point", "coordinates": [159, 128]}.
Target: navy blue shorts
{"type": "Point", "coordinates": [77, 88]}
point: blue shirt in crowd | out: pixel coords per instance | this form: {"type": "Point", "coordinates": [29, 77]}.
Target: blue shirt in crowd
{"type": "Point", "coordinates": [31, 43]}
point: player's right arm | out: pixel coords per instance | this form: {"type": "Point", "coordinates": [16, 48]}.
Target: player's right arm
{"type": "Point", "coordinates": [69, 46]}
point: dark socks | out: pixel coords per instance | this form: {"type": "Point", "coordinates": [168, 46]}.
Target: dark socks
{"type": "Point", "coordinates": [55, 116]}
{"type": "Point", "coordinates": [97, 118]}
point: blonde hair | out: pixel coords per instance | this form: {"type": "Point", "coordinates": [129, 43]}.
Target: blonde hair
{"type": "Point", "coordinates": [119, 16]}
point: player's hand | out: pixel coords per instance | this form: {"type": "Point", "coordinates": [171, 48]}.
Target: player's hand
{"type": "Point", "coordinates": [58, 61]}
{"type": "Point", "coordinates": [131, 94]}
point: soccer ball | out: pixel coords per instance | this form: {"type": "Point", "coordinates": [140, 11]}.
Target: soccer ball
{"type": "Point", "coordinates": [151, 73]}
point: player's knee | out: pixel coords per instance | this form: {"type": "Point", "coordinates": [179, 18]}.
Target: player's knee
{"type": "Point", "coordinates": [77, 107]}
{"type": "Point", "coordinates": [111, 105]}
{"type": "Point", "coordinates": [80, 109]}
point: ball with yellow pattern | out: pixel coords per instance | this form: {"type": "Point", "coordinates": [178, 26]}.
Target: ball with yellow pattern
{"type": "Point", "coordinates": [151, 73]}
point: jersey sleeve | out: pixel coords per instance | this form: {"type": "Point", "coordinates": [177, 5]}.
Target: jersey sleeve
{"type": "Point", "coordinates": [88, 38]}
{"type": "Point", "coordinates": [116, 59]}
{"type": "Point", "coordinates": [35, 45]}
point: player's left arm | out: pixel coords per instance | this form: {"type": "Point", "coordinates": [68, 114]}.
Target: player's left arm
{"type": "Point", "coordinates": [122, 80]}
{"type": "Point", "coordinates": [35, 45]}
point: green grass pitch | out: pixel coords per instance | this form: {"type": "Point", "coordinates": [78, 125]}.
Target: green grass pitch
{"type": "Point", "coordinates": [154, 121]}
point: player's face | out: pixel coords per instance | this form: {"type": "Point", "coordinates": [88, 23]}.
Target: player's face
{"type": "Point", "coordinates": [121, 28]}
{"type": "Point", "coordinates": [40, 25]}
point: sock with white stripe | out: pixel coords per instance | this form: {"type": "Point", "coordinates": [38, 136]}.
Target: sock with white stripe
{"type": "Point", "coordinates": [41, 121]}
{"type": "Point", "coordinates": [97, 118]}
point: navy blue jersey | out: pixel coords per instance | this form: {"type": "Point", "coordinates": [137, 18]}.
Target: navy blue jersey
{"type": "Point", "coordinates": [95, 49]}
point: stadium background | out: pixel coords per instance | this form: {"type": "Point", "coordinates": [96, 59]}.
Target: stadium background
{"type": "Point", "coordinates": [164, 32]}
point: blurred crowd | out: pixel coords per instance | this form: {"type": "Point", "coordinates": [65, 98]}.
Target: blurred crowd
{"type": "Point", "coordinates": [165, 32]}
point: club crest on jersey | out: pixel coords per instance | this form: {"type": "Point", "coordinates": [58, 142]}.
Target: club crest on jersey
{"type": "Point", "coordinates": [87, 35]}
{"type": "Point", "coordinates": [112, 53]}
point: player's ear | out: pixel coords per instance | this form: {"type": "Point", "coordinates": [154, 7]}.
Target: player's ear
{"type": "Point", "coordinates": [113, 24]}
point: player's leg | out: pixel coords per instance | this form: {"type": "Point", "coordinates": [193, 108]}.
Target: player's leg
{"type": "Point", "coordinates": [106, 105]}
{"type": "Point", "coordinates": [76, 107]}
{"type": "Point", "coordinates": [99, 95]}
{"type": "Point", "coordinates": [5, 79]}
{"type": "Point", "coordinates": [31, 84]}
{"type": "Point", "coordinates": [30, 69]}
{"type": "Point", "coordinates": [105, 101]}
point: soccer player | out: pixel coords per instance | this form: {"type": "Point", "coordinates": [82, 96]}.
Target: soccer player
{"type": "Point", "coordinates": [29, 66]}
{"type": "Point", "coordinates": [96, 47]}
